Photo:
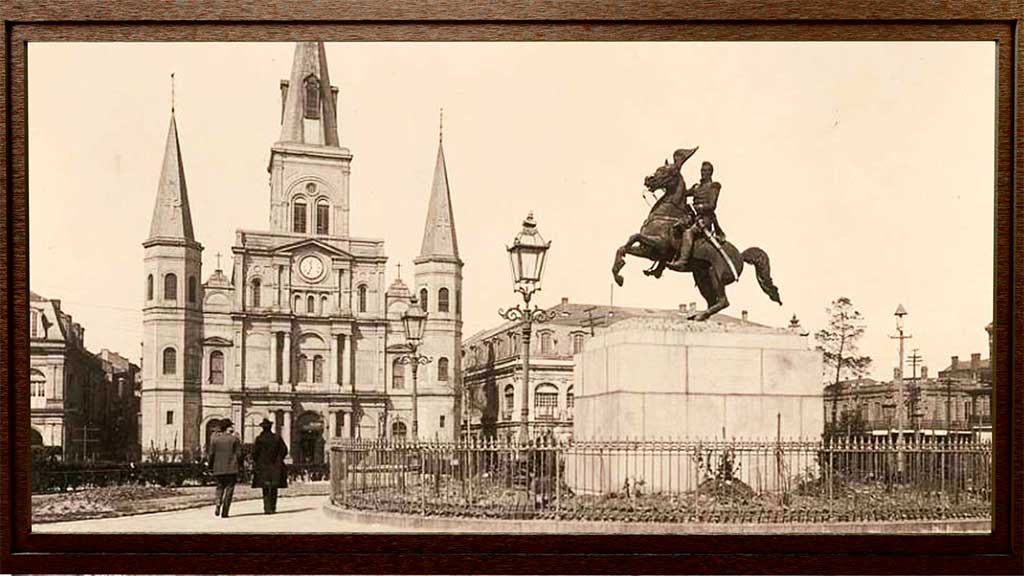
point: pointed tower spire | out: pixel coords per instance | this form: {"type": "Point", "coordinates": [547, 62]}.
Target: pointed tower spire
{"type": "Point", "coordinates": [439, 239]}
{"type": "Point", "coordinates": [171, 215]}
{"type": "Point", "coordinates": [309, 115]}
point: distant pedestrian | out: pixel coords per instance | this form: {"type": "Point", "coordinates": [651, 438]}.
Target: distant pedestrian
{"type": "Point", "coordinates": [268, 469]}
{"type": "Point", "coordinates": [225, 451]}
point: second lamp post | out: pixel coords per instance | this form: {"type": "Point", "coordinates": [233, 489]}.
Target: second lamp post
{"type": "Point", "coordinates": [526, 255]}
{"type": "Point", "coordinates": [414, 322]}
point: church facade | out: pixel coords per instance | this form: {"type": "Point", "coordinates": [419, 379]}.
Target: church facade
{"type": "Point", "coordinates": [302, 329]}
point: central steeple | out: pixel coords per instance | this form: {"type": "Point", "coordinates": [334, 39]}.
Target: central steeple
{"type": "Point", "coordinates": [309, 105]}
{"type": "Point", "coordinates": [309, 170]}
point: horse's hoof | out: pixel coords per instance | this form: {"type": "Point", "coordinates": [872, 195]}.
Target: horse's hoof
{"type": "Point", "coordinates": [618, 279]}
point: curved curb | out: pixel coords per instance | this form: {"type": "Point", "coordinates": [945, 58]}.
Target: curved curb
{"type": "Point", "coordinates": [408, 523]}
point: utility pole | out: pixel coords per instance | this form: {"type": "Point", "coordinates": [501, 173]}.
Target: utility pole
{"type": "Point", "coordinates": [915, 390]}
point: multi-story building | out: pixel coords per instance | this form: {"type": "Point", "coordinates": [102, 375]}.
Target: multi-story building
{"type": "Point", "coordinates": [492, 368]}
{"type": "Point", "coordinates": [956, 402]}
{"type": "Point", "coordinates": [82, 405]}
{"type": "Point", "coordinates": [303, 330]}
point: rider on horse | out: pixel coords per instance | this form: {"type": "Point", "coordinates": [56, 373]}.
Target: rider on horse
{"type": "Point", "coordinates": [705, 200]}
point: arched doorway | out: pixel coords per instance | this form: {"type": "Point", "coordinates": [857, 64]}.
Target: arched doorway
{"type": "Point", "coordinates": [311, 439]}
{"type": "Point", "coordinates": [211, 425]}
{"type": "Point", "coordinates": [398, 430]}
{"type": "Point", "coordinates": [37, 439]}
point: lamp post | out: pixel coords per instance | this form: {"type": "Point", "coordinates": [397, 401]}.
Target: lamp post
{"type": "Point", "coordinates": [414, 322]}
{"type": "Point", "coordinates": [526, 256]}
{"type": "Point", "coordinates": [900, 313]}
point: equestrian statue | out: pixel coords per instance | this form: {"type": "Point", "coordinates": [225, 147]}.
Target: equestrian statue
{"type": "Point", "coordinates": [686, 237]}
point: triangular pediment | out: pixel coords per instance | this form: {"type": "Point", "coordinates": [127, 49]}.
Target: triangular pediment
{"type": "Point", "coordinates": [216, 341]}
{"type": "Point", "coordinates": [312, 244]}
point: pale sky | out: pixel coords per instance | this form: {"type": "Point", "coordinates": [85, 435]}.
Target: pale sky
{"type": "Point", "coordinates": [864, 169]}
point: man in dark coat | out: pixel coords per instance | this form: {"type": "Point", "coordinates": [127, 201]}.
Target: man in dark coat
{"type": "Point", "coordinates": [268, 470]}
{"type": "Point", "coordinates": [225, 453]}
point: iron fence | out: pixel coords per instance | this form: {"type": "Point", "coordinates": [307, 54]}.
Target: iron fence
{"type": "Point", "coordinates": [838, 479]}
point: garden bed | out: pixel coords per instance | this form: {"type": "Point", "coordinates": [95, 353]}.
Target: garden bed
{"type": "Point", "coordinates": [857, 503]}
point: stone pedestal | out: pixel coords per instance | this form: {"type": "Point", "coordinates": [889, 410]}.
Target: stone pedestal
{"type": "Point", "coordinates": [697, 393]}
{"type": "Point", "coordinates": [661, 379]}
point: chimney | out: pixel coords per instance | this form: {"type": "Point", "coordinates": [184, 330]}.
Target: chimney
{"type": "Point", "coordinates": [693, 306]}
{"type": "Point", "coordinates": [682, 308]}
{"type": "Point", "coordinates": [564, 300]}
{"type": "Point", "coordinates": [924, 372]}
{"type": "Point", "coordinates": [955, 361]}
{"type": "Point", "coordinates": [744, 315]}
{"type": "Point", "coordinates": [975, 361]}
{"type": "Point", "coordinates": [895, 372]}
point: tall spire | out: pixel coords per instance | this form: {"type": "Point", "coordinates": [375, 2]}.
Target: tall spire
{"type": "Point", "coordinates": [439, 233]}
{"type": "Point", "coordinates": [309, 115]}
{"type": "Point", "coordinates": [171, 215]}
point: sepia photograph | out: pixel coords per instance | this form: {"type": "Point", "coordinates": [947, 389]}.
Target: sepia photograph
{"type": "Point", "coordinates": [511, 287]}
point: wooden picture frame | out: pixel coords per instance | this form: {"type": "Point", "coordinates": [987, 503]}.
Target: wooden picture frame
{"type": "Point", "coordinates": [405, 20]}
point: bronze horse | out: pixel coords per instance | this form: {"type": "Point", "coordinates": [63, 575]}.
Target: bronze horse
{"type": "Point", "coordinates": [659, 240]}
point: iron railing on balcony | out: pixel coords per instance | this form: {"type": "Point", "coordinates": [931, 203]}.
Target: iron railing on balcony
{"type": "Point", "coordinates": [708, 481]}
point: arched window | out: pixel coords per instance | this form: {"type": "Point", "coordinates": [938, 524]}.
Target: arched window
{"type": "Point", "coordinates": [570, 402]}
{"type": "Point", "coordinates": [323, 211]}
{"type": "Point", "coordinates": [397, 375]}
{"type": "Point", "coordinates": [398, 429]}
{"type": "Point", "coordinates": [299, 216]}
{"type": "Point", "coordinates": [312, 86]}
{"type": "Point", "coordinates": [424, 294]}
{"type": "Point", "coordinates": [149, 287]}
{"type": "Point", "coordinates": [310, 304]}
{"type": "Point", "coordinates": [318, 369]}
{"type": "Point", "coordinates": [510, 401]}
{"type": "Point", "coordinates": [577, 343]}
{"type": "Point", "coordinates": [323, 306]}
{"type": "Point", "coordinates": [170, 287]}
{"type": "Point", "coordinates": [442, 369]}
{"type": "Point", "coordinates": [216, 367]}
{"type": "Point", "coordinates": [37, 389]}
{"type": "Point", "coordinates": [256, 285]}
{"type": "Point", "coordinates": [442, 300]}
{"type": "Point", "coordinates": [545, 402]}
{"type": "Point", "coordinates": [301, 366]}
{"type": "Point", "coordinates": [170, 361]}
{"type": "Point", "coordinates": [362, 297]}
{"type": "Point", "coordinates": [546, 346]}
{"type": "Point", "coordinates": [192, 289]}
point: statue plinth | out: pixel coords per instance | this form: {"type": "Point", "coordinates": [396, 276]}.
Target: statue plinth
{"type": "Point", "coordinates": [661, 379]}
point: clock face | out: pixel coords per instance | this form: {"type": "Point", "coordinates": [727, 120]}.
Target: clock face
{"type": "Point", "coordinates": [311, 267]}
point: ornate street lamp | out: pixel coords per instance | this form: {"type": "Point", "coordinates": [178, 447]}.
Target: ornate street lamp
{"type": "Point", "coordinates": [414, 322]}
{"type": "Point", "coordinates": [526, 256]}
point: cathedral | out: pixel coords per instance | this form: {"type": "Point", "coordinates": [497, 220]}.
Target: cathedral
{"type": "Point", "coordinates": [302, 330]}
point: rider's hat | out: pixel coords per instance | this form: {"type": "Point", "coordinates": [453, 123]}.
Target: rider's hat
{"type": "Point", "coordinates": [683, 154]}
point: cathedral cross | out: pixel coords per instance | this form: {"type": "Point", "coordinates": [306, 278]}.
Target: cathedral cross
{"type": "Point", "coordinates": [399, 270]}
{"type": "Point", "coordinates": [218, 260]}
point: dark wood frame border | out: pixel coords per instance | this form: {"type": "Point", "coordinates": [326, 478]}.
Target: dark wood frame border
{"type": "Point", "coordinates": [665, 20]}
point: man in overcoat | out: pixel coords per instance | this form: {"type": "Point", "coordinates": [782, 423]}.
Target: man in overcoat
{"type": "Point", "coordinates": [225, 455]}
{"type": "Point", "coordinates": [269, 473]}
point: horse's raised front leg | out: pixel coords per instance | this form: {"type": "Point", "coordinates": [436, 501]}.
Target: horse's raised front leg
{"type": "Point", "coordinates": [620, 257]}
{"type": "Point", "coordinates": [656, 269]}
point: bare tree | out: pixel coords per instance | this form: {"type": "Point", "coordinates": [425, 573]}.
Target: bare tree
{"type": "Point", "coordinates": [838, 345]}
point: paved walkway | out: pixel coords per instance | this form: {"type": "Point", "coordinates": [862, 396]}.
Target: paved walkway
{"type": "Point", "coordinates": [296, 514]}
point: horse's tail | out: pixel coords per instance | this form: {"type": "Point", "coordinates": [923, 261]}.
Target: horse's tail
{"type": "Point", "coordinates": [763, 267]}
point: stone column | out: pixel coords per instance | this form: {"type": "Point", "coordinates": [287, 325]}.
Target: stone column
{"type": "Point", "coordinates": [286, 431]}
{"type": "Point", "coordinates": [274, 354]}
{"type": "Point", "coordinates": [286, 358]}
{"type": "Point", "coordinates": [333, 369]}
{"type": "Point", "coordinates": [346, 371]}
